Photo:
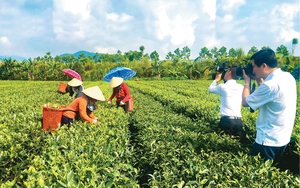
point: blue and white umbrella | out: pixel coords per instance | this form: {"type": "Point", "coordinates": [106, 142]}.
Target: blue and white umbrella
{"type": "Point", "coordinates": [123, 72]}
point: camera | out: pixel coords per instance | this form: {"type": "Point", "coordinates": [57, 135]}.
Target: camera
{"type": "Point", "coordinates": [248, 70]}
{"type": "Point", "coordinates": [222, 68]}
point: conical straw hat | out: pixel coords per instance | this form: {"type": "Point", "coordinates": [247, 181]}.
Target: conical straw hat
{"type": "Point", "coordinates": [95, 93]}
{"type": "Point", "coordinates": [75, 82]}
{"type": "Point", "coordinates": [115, 81]}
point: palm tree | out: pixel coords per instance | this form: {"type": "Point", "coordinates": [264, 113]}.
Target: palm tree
{"type": "Point", "coordinates": [7, 69]}
{"type": "Point", "coordinates": [294, 43]}
{"type": "Point", "coordinates": [253, 50]}
{"type": "Point", "coordinates": [142, 48]}
{"type": "Point", "coordinates": [156, 64]}
{"type": "Point", "coordinates": [282, 50]}
{"type": "Point", "coordinates": [239, 53]}
{"type": "Point", "coordinates": [186, 53]}
{"type": "Point", "coordinates": [284, 58]}
{"type": "Point", "coordinates": [27, 67]}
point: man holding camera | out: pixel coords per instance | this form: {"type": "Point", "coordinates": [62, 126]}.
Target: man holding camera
{"type": "Point", "coordinates": [276, 99]}
{"type": "Point", "coordinates": [230, 108]}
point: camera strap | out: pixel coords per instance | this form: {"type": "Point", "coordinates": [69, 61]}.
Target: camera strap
{"type": "Point", "coordinates": [252, 89]}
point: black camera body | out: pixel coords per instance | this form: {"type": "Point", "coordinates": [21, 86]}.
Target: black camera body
{"type": "Point", "coordinates": [222, 68]}
{"type": "Point", "coordinates": [248, 70]}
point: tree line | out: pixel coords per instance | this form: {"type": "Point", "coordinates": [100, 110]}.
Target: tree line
{"type": "Point", "coordinates": [176, 65]}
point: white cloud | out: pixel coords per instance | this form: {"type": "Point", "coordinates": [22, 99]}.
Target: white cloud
{"type": "Point", "coordinates": [174, 24]}
{"type": "Point", "coordinates": [209, 6]}
{"type": "Point", "coordinates": [228, 18]}
{"type": "Point", "coordinates": [118, 22]}
{"type": "Point", "coordinates": [5, 41]}
{"type": "Point", "coordinates": [105, 50]}
{"type": "Point", "coordinates": [70, 19]}
{"type": "Point", "coordinates": [75, 7]}
{"type": "Point", "coordinates": [212, 42]}
{"type": "Point", "coordinates": [232, 5]}
{"type": "Point", "coordinates": [182, 31]}
{"type": "Point", "coordinates": [162, 25]}
{"type": "Point", "coordinates": [119, 18]}
{"type": "Point", "coordinates": [284, 15]}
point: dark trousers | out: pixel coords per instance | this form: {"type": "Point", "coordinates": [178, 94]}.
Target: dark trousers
{"type": "Point", "coordinates": [66, 121]}
{"type": "Point", "coordinates": [232, 126]}
{"type": "Point", "coordinates": [125, 107]}
{"type": "Point", "coordinates": [268, 152]}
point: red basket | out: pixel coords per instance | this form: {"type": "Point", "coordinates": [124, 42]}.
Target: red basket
{"type": "Point", "coordinates": [62, 87]}
{"type": "Point", "coordinates": [130, 106]}
{"type": "Point", "coordinates": [52, 118]}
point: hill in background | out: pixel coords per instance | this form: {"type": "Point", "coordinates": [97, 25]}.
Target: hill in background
{"type": "Point", "coordinates": [77, 54]}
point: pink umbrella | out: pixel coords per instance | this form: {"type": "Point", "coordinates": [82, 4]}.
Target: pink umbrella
{"type": "Point", "coordinates": [71, 73]}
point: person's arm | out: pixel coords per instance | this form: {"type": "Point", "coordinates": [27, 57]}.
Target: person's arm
{"type": "Point", "coordinates": [112, 95]}
{"type": "Point", "coordinates": [246, 90]}
{"type": "Point", "coordinates": [213, 86]}
{"type": "Point", "coordinates": [127, 93]}
{"type": "Point", "coordinates": [91, 115]}
{"type": "Point", "coordinates": [83, 111]}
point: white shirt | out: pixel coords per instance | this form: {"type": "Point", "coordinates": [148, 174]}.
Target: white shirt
{"type": "Point", "coordinates": [276, 99]}
{"type": "Point", "coordinates": [231, 97]}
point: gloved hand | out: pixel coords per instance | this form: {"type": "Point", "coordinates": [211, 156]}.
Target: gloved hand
{"type": "Point", "coordinates": [121, 103]}
{"type": "Point", "coordinates": [108, 102]}
{"type": "Point", "coordinates": [95, 121]}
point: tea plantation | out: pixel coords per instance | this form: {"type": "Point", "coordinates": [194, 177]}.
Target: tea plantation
{"type": "Point", "coordinates": [170, 139]}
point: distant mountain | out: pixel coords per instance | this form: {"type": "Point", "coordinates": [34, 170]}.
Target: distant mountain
{"type": "Point", "coordinates": [17, 58]}
{"type": "Point", "coordinates": [77, 54]}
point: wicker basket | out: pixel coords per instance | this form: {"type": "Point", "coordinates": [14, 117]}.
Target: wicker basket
{"type": "Point", "coordinates": [130, 106]}
{"type": "Point", "coordinates": [62, 87]}
{"type": "Point", "coordinates": [52, 118]}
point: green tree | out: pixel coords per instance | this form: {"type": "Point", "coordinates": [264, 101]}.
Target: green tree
{"type": "Point", "coordinates": [154, 56]}
{"type": "Point", "coordinates": [186, 53]}
{"type": "Point", "coordinates": [7, 68]}
{"type": "Point", "coordinates": [204, 54]}
{"type": "Point", "coordinates": [178, 53]}
{"type": "Point", "coordinates": [48, 58]}
{"type": "Point", "coordinates": [96, 57]}
{"type": "Point", "coordinates": [54, 70]}
{"type": "Point", "coordinates": [170, 56]}
{"type": "Point", "coordinates": [156, 65]}
{"type": "Point", "coordinates": [222, 51]}
{"type": "Point", "coordinates": [214, 52]}
{"type": "Point", "coordinates": [294, 43]}
{"type": "Point", "coordinates": [282, 50]}
{"type": "Point", "coordinates": [284, 58]}
{"type": "Point", "coordinates": [265, 47]}
{"type": "Point", "coordinates": [239, 53]}
{"type": "Point", "coordinates": [28, 68]}
{"type": "Point", "coordinates": [142, 48]}
{"type": "Point", "coordinates": [253, 50]}
{"type": "Point", "coordinates": [232, 52]}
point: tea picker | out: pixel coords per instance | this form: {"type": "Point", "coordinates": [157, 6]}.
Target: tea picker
{"type": "Point", "coordinates": [83, 106]}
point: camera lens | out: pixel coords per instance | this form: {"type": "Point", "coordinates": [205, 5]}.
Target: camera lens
{"type": "Point", "coordinates": [239, 71]}
{"type": "Point", "coordinates": [220, 68]}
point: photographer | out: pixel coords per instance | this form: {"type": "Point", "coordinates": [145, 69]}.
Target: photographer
{"type": "Point", "coordinates": [230, 109]}
{"type": "Point", "coordinates": [276, 100]}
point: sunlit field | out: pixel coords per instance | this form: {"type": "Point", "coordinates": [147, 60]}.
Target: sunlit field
{"type": "Point", "coordinates": [170, 139]}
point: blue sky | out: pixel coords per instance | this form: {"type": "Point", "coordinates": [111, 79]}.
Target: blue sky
{"type": "Point", "coordinates": [31, 28]}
